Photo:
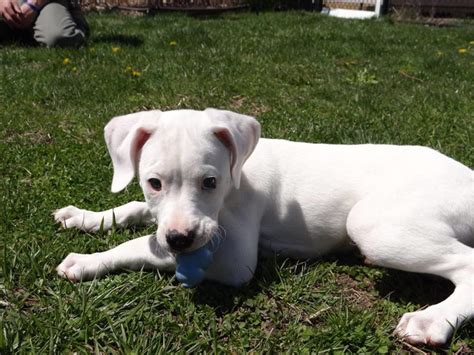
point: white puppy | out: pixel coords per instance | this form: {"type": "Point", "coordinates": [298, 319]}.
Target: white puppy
{"type": "Point", "coordinates": [202, 172]}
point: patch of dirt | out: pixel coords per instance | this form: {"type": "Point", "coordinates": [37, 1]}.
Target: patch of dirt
{"type": "Point", "coordinates": [240, 104]}
{"type": "Point", "coordinates": [268, 327]}
{"type": "Point", "coordinates": [28, 137]}
{"type": "Point", "coordinates": [237, 102]}
{"type": "Point", "coordinates": [351, 291]}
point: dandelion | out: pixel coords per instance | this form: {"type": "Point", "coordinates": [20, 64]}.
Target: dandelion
{"type": "Point", "coordinates": [116, 49]}
{"type": "Point", "coordinates": [462, 50]}
{"type": "Point", "coordinates": [134, 73]}
{"type": "Point", "coordinates": [74, 69]}
{"type": "Point", "coordinates": [66, 61]}
{"type": "Point", "coordinates": [471, 43]}
{"type": "Point", "coordinates": [173, 43]}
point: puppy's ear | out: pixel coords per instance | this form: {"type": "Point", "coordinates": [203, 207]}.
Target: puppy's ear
{"type": "Point", "coordinates": [239, 133]}
{"type": "Point", "coordinates": [125, 137]}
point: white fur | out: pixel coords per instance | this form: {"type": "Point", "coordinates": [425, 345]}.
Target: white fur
{"type": "Point", "coordinates": [405, 207]}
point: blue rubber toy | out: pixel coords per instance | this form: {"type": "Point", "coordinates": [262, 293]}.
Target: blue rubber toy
{"type": "Point", "coordinates": [192, 266]}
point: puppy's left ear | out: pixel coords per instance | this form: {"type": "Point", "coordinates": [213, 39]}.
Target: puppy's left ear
{"type": "Point", "coordinates": [239, 133]}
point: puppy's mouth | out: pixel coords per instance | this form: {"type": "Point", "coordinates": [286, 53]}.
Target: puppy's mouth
{"type": "Point", "coordinates": [197, 244]}
{"type": "Point", "coordinates": [177, 243]}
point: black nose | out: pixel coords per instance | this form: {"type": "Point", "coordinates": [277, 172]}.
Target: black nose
{"type": "Point", "coordinates": [179, 241]}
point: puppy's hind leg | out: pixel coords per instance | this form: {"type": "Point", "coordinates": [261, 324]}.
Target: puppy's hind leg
{"type": "Point", "coordinates": [132, 213]}
{"type": "Point", "coordinates": [409, 241]}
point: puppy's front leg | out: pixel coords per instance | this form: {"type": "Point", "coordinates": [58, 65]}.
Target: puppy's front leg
{"type": "Point", "coordinates": [132, 213]}
{"type": "Point", "coordinates": [136, 254]}
{"type": "Point", "coordinates": [236, 259]}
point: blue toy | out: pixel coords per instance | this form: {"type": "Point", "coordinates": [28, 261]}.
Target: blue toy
{"type": "Point", "coordinates": [192, 266]}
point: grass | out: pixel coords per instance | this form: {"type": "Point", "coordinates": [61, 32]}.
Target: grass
{"type": "Point", "coordinates": [305, 77]}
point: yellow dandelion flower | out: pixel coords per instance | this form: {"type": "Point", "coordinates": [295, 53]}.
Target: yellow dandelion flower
{"type": "Point", "coordinates": [66, 61]}
{"type": "Point", "coordinates": [116, 49]}
{"type": "Point", "coordinates": [136, 73]}
{"type": "Point", "coordinates": [173, 43]}
{"type": "Point", "coordinates": [128, 69]}
{"type": "Point", "coordinates": [471, 43]}
{"type": "Point", "coordinates": [462, 50]}
{"type": "Point", "coordinates": [74, 69]}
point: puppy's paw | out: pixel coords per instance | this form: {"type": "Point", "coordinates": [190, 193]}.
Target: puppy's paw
{"type": "Point", "coordinates": [428, 327]}
{"type": "Point", "coordinates": [65, 215]}
{"type": "Point", "coordinates": [81, 267]}
{"type": "Point", "coordinates": [73, 217]}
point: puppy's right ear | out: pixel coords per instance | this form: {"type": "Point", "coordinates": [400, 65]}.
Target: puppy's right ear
{"type": "Point", "coordinates": [125, 137]}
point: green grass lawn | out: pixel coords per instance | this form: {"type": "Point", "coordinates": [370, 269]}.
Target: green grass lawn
{"type": "Point", "coordinates": [305, 77]}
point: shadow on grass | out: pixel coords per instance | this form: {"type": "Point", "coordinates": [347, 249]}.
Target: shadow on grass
{"type": "Point", "coordinates": [398, 286]}
{"type": "Point", "coordinates": [125, 40]}
{"type": "Point", "coordinates": [404, 287]}
{"type": "Point", "coordinates": [423, 290]}
{"type": "Point", "coordinates": [225, 299]}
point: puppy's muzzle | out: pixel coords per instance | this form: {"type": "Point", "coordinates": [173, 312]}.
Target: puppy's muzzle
{"type": "Point", "coordinates": [179, 241]}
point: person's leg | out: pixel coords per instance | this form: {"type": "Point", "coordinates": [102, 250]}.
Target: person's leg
{"type": "Point", "coordinates": [60, 25]}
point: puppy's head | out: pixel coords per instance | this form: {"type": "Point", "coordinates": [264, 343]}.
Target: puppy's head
{"type": "Point", "coordinates": [187, 162]}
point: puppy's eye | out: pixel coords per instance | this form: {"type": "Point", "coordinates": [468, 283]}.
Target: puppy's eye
{"type": "Point", "coordinates": [155, 184]}
{"type": "Point", "coordinates": [209, 183]}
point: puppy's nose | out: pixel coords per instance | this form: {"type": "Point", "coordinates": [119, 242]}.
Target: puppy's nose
{"type": "Point", "coordinates": [179, 241]}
